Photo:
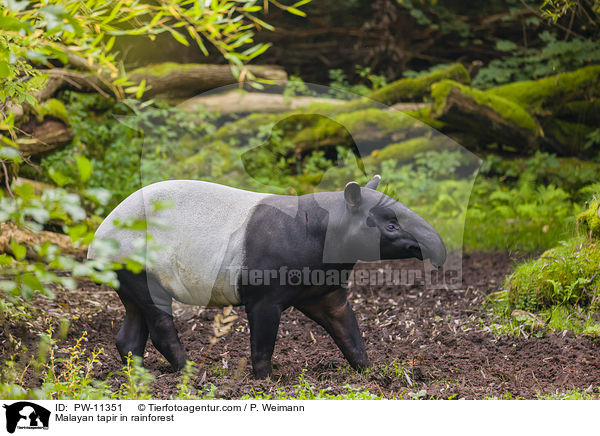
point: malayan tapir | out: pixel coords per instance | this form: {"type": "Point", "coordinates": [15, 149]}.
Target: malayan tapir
{"type": "Point", "coordinates": [225, 246]}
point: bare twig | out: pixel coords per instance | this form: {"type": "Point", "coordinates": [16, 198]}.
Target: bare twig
{"type": "Point", "coordinates": [6, 180]}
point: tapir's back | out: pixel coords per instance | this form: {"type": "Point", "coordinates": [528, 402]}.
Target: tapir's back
{"type": "Point", "coordinates": [199, 229]}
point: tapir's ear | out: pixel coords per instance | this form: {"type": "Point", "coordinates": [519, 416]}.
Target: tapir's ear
{"type": "Point", "coordinates": [352, 194]}
{"type": "Point", "coordinates": [372, 184]}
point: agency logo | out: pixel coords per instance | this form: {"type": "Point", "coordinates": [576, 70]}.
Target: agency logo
{"type": "Point", "coordinates": [26, 415]}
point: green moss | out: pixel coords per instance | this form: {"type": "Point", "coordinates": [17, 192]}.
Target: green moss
{"type": "Point", "coordinates": [162, 69]}
{"type": "Point", "coordinates": [567, 274]}
{"type": "Point", "coordinates": [503, 107]}
{"type": "Point", "coordinates": [406, 150]}
{"type": "Point", "coordinates": [589, 220]}
{"type": "Point", "coordinates": [417, 87]}
{"type": "Point", "coordinates": [412, 89]}
{"type": "Point", "coordinates": [52, 107]}
{"type": "Point", "coordinates": [386, 122]}
{"type": "Point", "coordinates": [424, 115]}
{"type": "Point", "coordinates": [537, 94]}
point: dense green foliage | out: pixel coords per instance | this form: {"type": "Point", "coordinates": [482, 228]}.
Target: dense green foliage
{"type": "Point", "coordinates": [37, 34]}
{"type": "Point", "coordinates": [533, 63]}
{"type": "Point", "coordinates": [560, 289]}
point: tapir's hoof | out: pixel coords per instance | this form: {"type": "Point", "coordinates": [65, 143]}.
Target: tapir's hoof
{"type": "Point", "coordinates": [261, 371]}
{"type": "Point", "coordinates": [178, 365]}
{"type": "Point", "coordinates": [363, 366]}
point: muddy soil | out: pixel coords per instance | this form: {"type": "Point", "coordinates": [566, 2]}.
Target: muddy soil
{"type": "Point", "coordinates": [421, 342]}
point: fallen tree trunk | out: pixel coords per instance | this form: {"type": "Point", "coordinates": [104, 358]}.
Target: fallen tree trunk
{"type": "Point", "coordinates": [489, 118]}
{"type": "Point", "coordinates": [48, 136]}
{"type": "Point", "coordinates": [166, 80]}
{"type": "Point", "coordinates": [548, 95]}
{"type": "Point", "coordinates": [239, 101]}
{"type": "Point", "coordinates": [414, 89]}
{"type": "Point", "coordinates": [31, 239]}
{"type": "Point", "coordinates": [171, 80]}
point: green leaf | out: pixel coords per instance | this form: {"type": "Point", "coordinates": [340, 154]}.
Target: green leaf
{"type": "Point", "coordinates": [178, 37]}
{"type": "Point", "coordinates": [7, 285]}
{"type": "Point", "coordinates": [10, 23]}
{"type": "Point", "coordinates": [25, 191]}
{"type": "Point", "coordinates": [505, 45]}
{"type": "Point", "coordinates": [18, 250]}
{"type": "Point", "coordinates": [84, 167]}
{"type": "Point", "coordinates": [133, 265]}
{"type": "Point", "coordinates": [15, 5]}
{"type": "Point", "coordinates": [99, 195]}
{"type": "Point", "coordinates": [141, 89]}
{"type": "Point", "coordinates": [33, 282]}
{"type": "Point", "coordinates": [39, 214]}
{"type": "Point", "coordinates": [9, 153]}
{"type": "Point", "coordinates": [57, 177]}
{"type": "Point", "coordinates": [162, 204]}
{"type": "Point", "coordinates": [5, 260]}
{"type": "Point", "coordinates": [296, 12]}
{"type": "Point", "coordinates": [257, 50]}
{"type": "Point", "coordinates": [5, 70]}
{"type": "Point", "coordinates": [110, 44]}
{"type": "Point", "coordinates": [68, 282]}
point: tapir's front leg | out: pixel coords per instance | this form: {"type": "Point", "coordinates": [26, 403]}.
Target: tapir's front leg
{"type": "Point", "coordinates": [334, 313]}
{"type": "Point", "coordinates": [263, 319]}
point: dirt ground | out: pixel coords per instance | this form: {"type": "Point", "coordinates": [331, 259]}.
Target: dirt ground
{"type": "Point", "coordinates": [434, 343]}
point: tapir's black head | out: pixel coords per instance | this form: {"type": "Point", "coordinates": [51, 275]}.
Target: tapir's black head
{"type": "Point", "coordinates": [379, 227]}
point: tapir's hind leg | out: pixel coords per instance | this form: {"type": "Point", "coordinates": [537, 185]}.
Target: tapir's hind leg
{"type": "Point", "coordinates": [133, 335]}
{"type": "Point", "coordinates": [334, 314]}
{"type": "Point", "coordinates": [157, 321]}
{"type": "Point", "coordinates": [164, 337]}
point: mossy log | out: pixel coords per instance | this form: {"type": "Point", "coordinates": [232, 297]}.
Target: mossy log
{"type": "Point", "coordinates": [490, 118]}
{"type": "Point", "coordinates": [167, 80]}
{"type": "Point", "coordinates": [414, 89]}
{"type": "Point", "coordinates": [172, 80]}
{"type": "Point", "coordinates": [548, 95]}
{"type": "Point", "coordinates": [406, 150]}
{"type": "Point", "coordinates": [403, 91]}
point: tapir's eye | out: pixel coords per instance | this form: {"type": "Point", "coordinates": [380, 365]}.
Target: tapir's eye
{"type": "Point", "coordinates": [392, 226]}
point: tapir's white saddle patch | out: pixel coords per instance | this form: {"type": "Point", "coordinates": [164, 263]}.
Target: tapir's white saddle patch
{"type": "Point", "coordinates": [201, 238]}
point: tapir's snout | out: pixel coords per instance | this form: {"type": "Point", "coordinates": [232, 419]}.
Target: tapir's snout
{"type": "Point", "coordinates": [435, 251]}
{"type": "Point", "coordinates": [429, 243]}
